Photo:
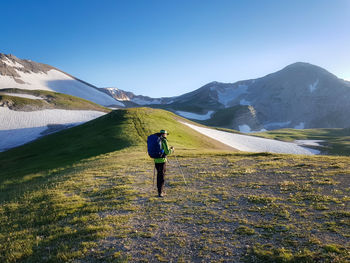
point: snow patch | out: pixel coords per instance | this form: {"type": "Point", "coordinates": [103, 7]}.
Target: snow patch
{"type": "Point", "coordinates": [229, 95]}
{"type": "Point", "coordinates": [11, 63]}
{"type": "Point", "coordinates": [22, 96]}
{"type": "Point", "coordinates": [115, 91]}
{"type": "Point", "coordinates": [10, 119]}
{"type": "Point", "coordinates": [19, 127]}
{"type": "Point", "coordinates": [191, 115]}
{"type": "Point", "coordinates": [245, 102]}
{"type": "Point", "coordinates": [244, 128]}
{"type": "Point", "coordinates": [251, 143]}
{"type": "Point", "coordinates": [300, 126]}
{"type": "Point", "coordinates": [312, 87]}
{"type": "Point", "coordinates": [309, 142]}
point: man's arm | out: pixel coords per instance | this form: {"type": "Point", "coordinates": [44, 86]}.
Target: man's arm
{"type": "Point", "coordinates": [166, 148]}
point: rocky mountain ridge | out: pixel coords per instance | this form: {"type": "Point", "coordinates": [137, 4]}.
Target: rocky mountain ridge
{"type": "Point", "coordinates": [130, 99]}
{"type": "Point", "coordinates": [299, 96]}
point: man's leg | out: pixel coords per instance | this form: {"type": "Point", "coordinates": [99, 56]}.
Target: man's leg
{"type": "Point", "coordinates": [161, 168]}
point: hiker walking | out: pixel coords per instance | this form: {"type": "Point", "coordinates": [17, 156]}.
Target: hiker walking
{"type": "Point", "coordinates": [158, 149]}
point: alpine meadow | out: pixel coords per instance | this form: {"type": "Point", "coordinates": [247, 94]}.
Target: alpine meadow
{"type": "Point", "coordinates": [187, 131]}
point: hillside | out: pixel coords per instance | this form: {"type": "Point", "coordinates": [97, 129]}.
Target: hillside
{"type": "Point", "coordinates": [85, 195]}
{"type": "Point", "coordinates": [31, 75]}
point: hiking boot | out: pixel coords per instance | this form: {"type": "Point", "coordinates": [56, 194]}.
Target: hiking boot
{"type": "Point", "coordinates": [161, 194]}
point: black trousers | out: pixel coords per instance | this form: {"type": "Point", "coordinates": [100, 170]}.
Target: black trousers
{"type": "Point", "coordinates": [161, 169]}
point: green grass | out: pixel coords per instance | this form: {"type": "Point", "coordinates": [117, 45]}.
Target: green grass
{"type": "Point", "coordinates": [86, 195]}
{"type": "Point", "coordinates": [337, 141]}
{"type": "Point", "coordinates": [50, 100]}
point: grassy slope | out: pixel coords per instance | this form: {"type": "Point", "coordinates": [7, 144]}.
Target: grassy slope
{"type": "Point", "coordinates": [337, 141]}
{"type": "Point", "coordinates": [86, 195]}
{"type": "Point", "coordinates": [51, 100]}
{"type": "Point", "coordinates": [115, 131]}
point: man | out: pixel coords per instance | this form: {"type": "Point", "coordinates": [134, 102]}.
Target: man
{"type": "Point", "coordinates": [160, 163]}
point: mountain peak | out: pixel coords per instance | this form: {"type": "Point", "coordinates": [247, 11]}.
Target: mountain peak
{"type": "Point", "coordinates": [9, 57]}
{"type": "Point", "coordinates": [300, 64]}
{"type": "Point", "coordinates": [304, 66]}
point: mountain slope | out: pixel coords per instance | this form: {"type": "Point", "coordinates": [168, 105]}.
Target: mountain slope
{"type": "Point", "coordinates": [299, 96]}
{"type": "Point", "coordinates": [302, 95]}
{"type": "Point", "coordinates": [27, 74]}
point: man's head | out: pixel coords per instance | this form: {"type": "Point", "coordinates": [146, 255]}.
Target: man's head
{"type": "Point", "coordinates": [163, 133]}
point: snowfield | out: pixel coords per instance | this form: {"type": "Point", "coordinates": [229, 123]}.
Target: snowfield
{"type": "Point", "coordinates": [246, 128]}
{"type": "Point", "coordinates": [309, 142]}
{"type": "Point", "coordinates": [245, 102]}
{"type": "Point", "coordinates": [225, 97]}
{"type": "Point", "coordinates": [10, 63]}
{"type": "Point", "coordinates": [312, 87]}
{"type": "Point", "coordinates": [22, 96]}
{"type": "Point", "coordinates": [58, 81]}
{"type": "Point", "coordinates": [252, 144]}
{"type": "Point", "coordinates": [195, 116]}
{"type": "Point", "coordinates": [300, 126]}
{"type": "Point", "coordinates": [19, 127]}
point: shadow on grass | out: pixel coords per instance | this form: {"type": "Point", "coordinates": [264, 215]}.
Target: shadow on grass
{"type": "Point", "coordinates": [258, 154]}
{"type": "Point", "coordinates": [32, 162]}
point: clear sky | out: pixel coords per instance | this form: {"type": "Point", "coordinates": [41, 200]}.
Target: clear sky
{"type": "Point", "coordinates": [166, 48]}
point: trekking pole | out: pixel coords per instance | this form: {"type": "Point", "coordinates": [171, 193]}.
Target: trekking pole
{"type": "Point", "coordinates": [178, 165]}
{"type": "Point", "coordinates": [154, 174]}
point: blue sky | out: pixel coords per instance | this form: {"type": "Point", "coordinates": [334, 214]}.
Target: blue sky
{"type": "Point", "coordinates": [166, 48]}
